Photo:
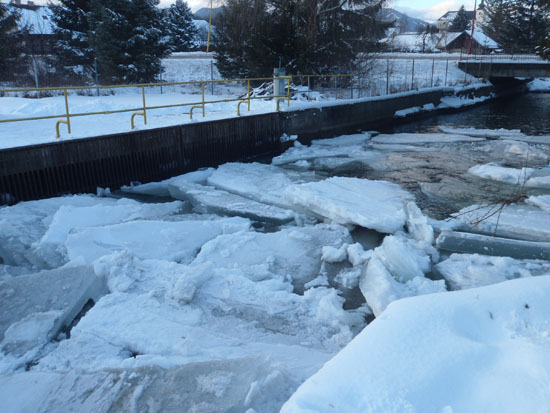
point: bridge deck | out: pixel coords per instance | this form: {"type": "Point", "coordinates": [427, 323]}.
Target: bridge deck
{"type": "Point", "coordinates": [505, 69]}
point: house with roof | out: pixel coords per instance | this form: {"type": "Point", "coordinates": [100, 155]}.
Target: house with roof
{"type": "Point", "coordinates": [460, 41]}
{"type": "Point", "coordinates": [444, 22]}
{"type": "Point", "coordinates": [36, 21]}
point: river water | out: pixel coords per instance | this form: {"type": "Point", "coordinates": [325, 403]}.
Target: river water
{"type": "Point", "coordinates": [529, 113]}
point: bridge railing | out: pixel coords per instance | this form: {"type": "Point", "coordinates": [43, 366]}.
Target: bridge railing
{"type": "Point", "coordinates": [509, 55]}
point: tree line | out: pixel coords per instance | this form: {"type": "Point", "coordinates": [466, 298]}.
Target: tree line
{"type": "Point", "coordinates": [112, 41]}
{"type": "Point", "coordinates": [519, 25]}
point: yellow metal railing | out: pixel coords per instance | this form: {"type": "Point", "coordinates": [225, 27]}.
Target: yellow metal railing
{"type": "Point", "coordinates": [142, 111]}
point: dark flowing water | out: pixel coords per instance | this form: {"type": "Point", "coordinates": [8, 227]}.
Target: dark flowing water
{"type": "Point", "coordinates": [530, 113]}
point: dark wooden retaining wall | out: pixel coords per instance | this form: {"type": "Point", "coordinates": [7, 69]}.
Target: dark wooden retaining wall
{"type": "Point", "coordinates": [82, 165]}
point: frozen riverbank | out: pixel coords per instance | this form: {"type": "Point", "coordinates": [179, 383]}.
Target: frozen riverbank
{"type": "Point", "coordinates": [241, 287]}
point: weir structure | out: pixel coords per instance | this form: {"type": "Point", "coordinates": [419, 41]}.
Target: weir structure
{"type": "Point", "coordinates": [82, 165]}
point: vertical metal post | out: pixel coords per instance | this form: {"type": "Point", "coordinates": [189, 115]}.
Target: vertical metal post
{"type": "Point", "coordinates": [67, 110]}
{"type": "Point", "coordinates": [35, 69]}
{"type": "Point", "coordinates": [433, 65]}
{"type": "Point", "coordinates": [248, 95]}
{"type": "Point", "coordinates": [412, 77]}
{"type": "Point", "coordinates": [288, 93]}
{"type": "Point", "coordinates": [96, 75]}
{"type": "Point", "coordinates": [212, 78]}
{"type": "Point", "coordinates": [144, 106]}
{"type": "Point", "coordinates": [308, 85]}
{"type": "Point", "coordinates": [202, 92]}
{"type": "Point", "coordinates": [446, 71]}
{"type": "Point", "coordinates": [387, 76]}
{"type": "Point", "coordinates": [160, 75]}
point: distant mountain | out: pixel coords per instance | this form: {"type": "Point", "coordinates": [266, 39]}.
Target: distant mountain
{"type": "Point", "coordinates": [402, 22]}
{"type": "Point", "coordinates": [204, 13]}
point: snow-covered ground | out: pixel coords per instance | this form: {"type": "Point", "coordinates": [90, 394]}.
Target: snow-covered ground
{"type": "Point", "coordinates": [251, 287]}
{"type": "Point", "coordinates": [197, 67]}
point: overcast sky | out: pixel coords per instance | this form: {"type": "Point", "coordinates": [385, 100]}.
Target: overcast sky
{"type": "Point", "coordinates": [424, 9]}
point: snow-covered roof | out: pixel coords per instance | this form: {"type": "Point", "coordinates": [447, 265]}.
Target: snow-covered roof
{"type": "Point", "coordinates": [480, 37]}
{"type": "Point", "coordinates": [37, 19]}
{"type": "Point", "coordinates": [450, 15]}
{"type": "Point", "coordinates": [485, 40]}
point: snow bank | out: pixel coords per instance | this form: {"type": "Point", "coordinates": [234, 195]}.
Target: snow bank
{"type": "Point", "coordinates": [476, 350]}
{"type": "Point", "coordinates": [376, 205]}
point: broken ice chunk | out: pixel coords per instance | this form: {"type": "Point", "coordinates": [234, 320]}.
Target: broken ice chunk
{"type": "Point", "coordinates": [171, 241]}
{"type": "Point", "coordinates": [378, 205]}
{"type": "Point", "coordinates": [464, 271]}
{"type": "Point", "coordinates": [207, 199]}
{"type": "Point", "coordinates": [260, 182]}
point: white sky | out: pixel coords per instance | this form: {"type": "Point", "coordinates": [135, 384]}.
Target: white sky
{"type": "Point", "coordinates": [424, 9]}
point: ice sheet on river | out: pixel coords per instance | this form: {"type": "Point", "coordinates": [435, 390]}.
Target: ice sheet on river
{"type": "Point", "coordinates": [507, 134]}
{"type": "Point", "coordinates": [483, 349]}
{"type": "Point", "coordinates": [464, 271]}
{"type": "Point", "coordinates": [523, 178]}
{"type": "Point", "coordinates": [235, 311]}
{"type": "Point", "coordinates": [161, 188]}
{"type": "Point", "coordinates": [293, 253]}
{"type": "Point", "coordinates": [175, 241]}
{"type": "Point", "coordinates": [517, 221]}
{"type": "Point", "coordinates": [259, 182]}
{"type": "Point", "coordinates": [207, 199]}
{"type": "Point", "coordinates": [251, 384]}
{"type": "Point", "coordinates": [377, 205]}
{"type": "Point", "coordinates": [51, 247]}
{"type": "Point", "coordinates": [422, 138]}
{"type": "Point", "coordinates": [34, 308]}
{"type": "Point", "coordinates": [24, 224]}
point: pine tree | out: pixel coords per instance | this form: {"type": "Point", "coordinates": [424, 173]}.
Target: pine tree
{"type": "Point", "coordinates": [180, 27]}
{"type": "Point", "coordinates": [544, 48]}
{"type": "Point", "coordinates": [10, 41]}
{"type": "Point", "coordinates": [308, 36]}
{"type": "Point", "coordinates": [74, 56]}
{"type": "Point", "coordinates": [128, 40]}
{"type": "Point", "coordinates": [460, 22]}
{"type": "Point", "coordinates": [518, 25]}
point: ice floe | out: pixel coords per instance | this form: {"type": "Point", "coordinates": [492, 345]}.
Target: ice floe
{"type": "Point", "coordinates": [464, 271]}
{"type": "Point", "coordinates": [259, 182]}
{"type": "Point", "coordinates": [175, 241]}
{"type": "Point", "coordinates": [207, 199]}
{"type": "Point", "coordinates": [378, 205]}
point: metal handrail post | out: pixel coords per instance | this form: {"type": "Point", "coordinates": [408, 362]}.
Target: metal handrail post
{"type": "Point", "coordinates": [68, 115]}
{"type": "Point", "coordinates": [144, 106]}
{"type": "Point", "coordinates": [248, 85]}
{"type": "Point", "coordinates": [288, 93]}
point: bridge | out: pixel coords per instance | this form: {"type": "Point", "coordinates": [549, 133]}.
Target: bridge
{"type": "Point", "coordinates": [500, 69]}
